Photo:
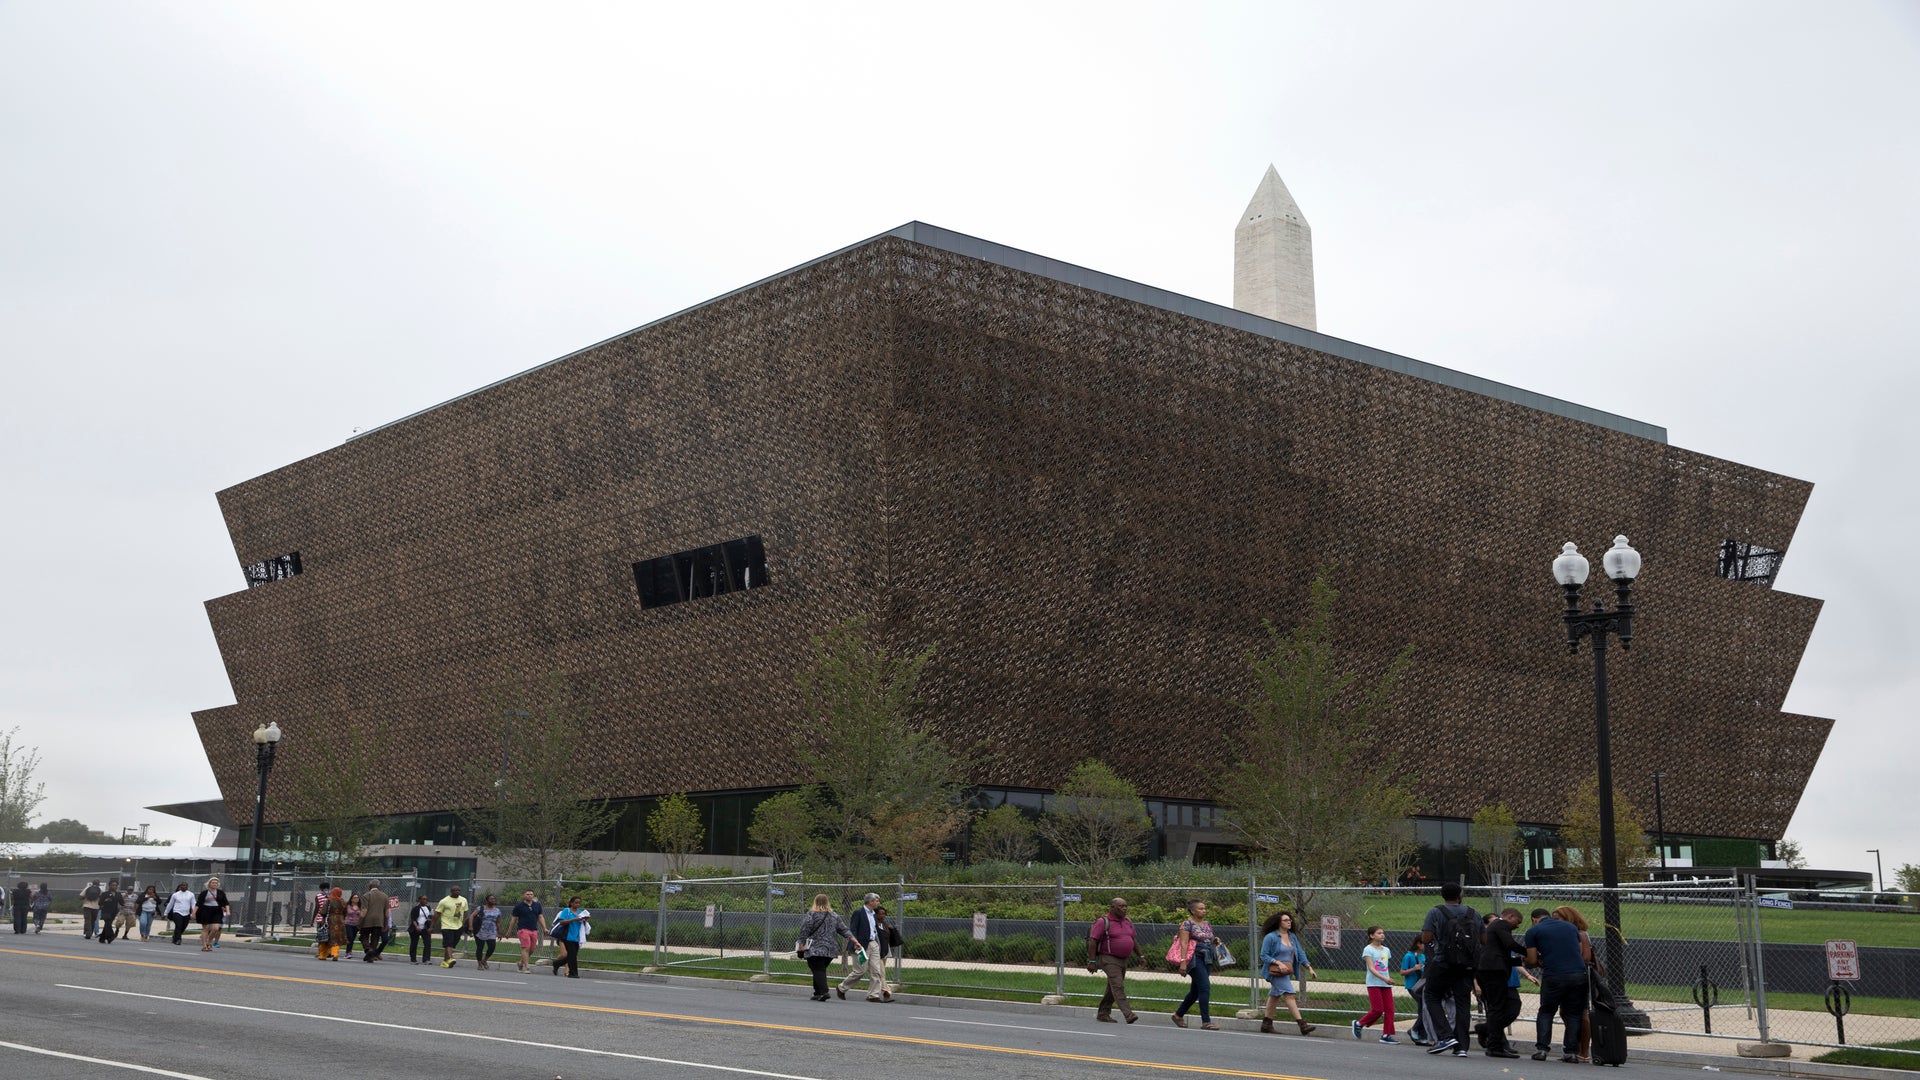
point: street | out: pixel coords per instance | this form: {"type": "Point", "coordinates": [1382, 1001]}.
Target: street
{"type": "Point", "coordinates": [72, 1008]}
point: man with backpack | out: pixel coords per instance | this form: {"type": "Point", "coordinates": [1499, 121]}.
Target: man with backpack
{"type": "Point", "coordinates": [90, 909]}
{"type": "Point", "coordinates": [1109, 944]}
{"type": "Point", "coordinates": [1452, 936]}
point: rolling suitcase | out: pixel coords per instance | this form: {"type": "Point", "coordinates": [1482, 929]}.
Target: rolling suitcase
{"type": "Point", "coordinates": [1609, 1033]}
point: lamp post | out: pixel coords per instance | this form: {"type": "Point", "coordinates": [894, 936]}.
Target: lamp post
{"type": "Point", "coordinates": [1622, 564]}
{"type": "Point", "coordinates": [1660, 819]}
{"type": "Point", "coordinates": [1879, 877]}
{"type": "Point", "coordinates": [265, 740]}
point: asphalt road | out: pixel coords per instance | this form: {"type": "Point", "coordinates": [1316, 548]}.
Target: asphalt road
{"type": "Point", "coordinates": [71, 1008]}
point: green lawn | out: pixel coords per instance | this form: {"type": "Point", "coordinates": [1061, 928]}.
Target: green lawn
{"type": "Point", "coordinates": [1687, 921]}
{"type": "Point", "coordinates": [1879, 1056]}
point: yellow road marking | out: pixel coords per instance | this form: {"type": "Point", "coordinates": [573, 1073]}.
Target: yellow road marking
{"type": "Point", "coordinates": [763, 1025]}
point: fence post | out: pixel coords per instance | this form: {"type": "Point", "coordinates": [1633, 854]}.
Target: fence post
{"type": "Point", "coordinates": [900, 923]}
{"type": "Point", "coordinates": [660, 922]}
{"type": "Point", "coordinates": [1060, 937]}
{"type": "Point", "coordinates": [1759, 958]}
{"type": "Point", "coordinates": [1253, 944]}
{"type": "Point", "coordinates": [1742, 913]}
{"type": "Point", "coordinates": [766, 940]}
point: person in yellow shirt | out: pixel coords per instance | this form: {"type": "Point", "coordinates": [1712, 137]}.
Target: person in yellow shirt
{"type": "Point", "coordinates": [452, 910]}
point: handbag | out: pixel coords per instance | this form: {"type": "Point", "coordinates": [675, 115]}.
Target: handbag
{"type": "Point", "coordinates": [1175, 956]}
{"type": "Point", "coordinates": [893, 937]}
{"type": "Point", "coordinates": [1222, 956]}
{"type": "Point", "coordinates": [1278, 968]}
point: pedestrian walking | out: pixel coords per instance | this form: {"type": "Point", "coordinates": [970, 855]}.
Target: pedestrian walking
{"type": "Point", "coordinates": [821, 932]}
{"type": "Point", "coordinates": [333, 915]}
{"type": "Point", "coordinates": [42, 903]}
{"type": "Point", "coordinates": [1451, 933]}
{"type": "Point", "coordinates": [110, 904]}
{"type": "Point", "coordinates": [1558, 946]}
{"type": "Point", "coordinates": [22, 905]}
{"type": "Point", "coordinates": [569, 932]}
{"type": "Point", "coordinates": [211, 909]}
{"type": "Point", "coordinates": [867, 950]}
{"type": "Point", "coordinates": [353, 924]}
{"type": "Point", "coordinates": [320, 940]}
{"type": "Point", "coordinates": [1413, 969]}
{"type": "Point", "coordinates": [529, 922]}
{"type": "Point", "coordinates": [1285, 963]}
{"type": "Point", "coordinates": [127, 920]}
{"type": "Point", "coordinates": [1375, 959]}
{"type": "Point", "coordinates": [375, 913]}
{"type": "Point", "coordinates": [149, 907]}
{"type": "Point", "coordinates": [486, 931]}
{"type": "Point", "coordinates": [1110, 942]}
{"type": "Point", "coordinates": [420, 931]}
{"type": "Point", "coordinates": [90, 909]}
{"type": "Point", "coordinates": [1194, 947]}
{"type": "Point", "coordinates": [452, 910]}
{"type": "Point", "coordinates": [180, 910]}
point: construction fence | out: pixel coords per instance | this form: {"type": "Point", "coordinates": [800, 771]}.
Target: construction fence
{"type": "Point", "coordinates": [1717, 959]}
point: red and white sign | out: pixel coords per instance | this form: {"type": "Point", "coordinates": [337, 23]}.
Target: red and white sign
{"type": "Point", "coordinates": [1843, 961]}
{"type": "Point", "coordinates": [979, 926]}
{"type": "Point", "coordinates": [1329, 931]}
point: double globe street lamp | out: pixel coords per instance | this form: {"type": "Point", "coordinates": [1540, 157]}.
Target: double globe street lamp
{"type": "Point", "coordinates": [1622, 564]}
{"type": "Point", "coordinates": [266, 739]}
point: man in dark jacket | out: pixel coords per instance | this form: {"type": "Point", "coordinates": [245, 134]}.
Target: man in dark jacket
{"type": "Point", "coordinates": [864, 926]}
{"type": "Point", "coordinates": [373, 923]}
{"type": "Point", "coordinates": [1499, 955]}
{"type": "Point", "coordinates": [1452, 936]}
{"type": "Point", "coordinates": [109, 911]}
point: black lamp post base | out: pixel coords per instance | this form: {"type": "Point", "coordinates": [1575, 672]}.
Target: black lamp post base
{"type": "Point", "coordinates": [251, 930]}
{"type": "Point", "coordinates": [1633, 1016]}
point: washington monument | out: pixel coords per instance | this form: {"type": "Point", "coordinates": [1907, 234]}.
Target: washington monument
{"type": "Point", "coordinates": [1273, 256]}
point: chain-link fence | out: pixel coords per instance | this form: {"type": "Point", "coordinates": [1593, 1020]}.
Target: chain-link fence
{"type": "Point", "coordinates": [1708, 959]}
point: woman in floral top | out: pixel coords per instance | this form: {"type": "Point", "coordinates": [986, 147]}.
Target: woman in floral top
{"type": "Point", "coordinates": [821, 931]}
{"type": "Point", "coordinates": [1195, 945]}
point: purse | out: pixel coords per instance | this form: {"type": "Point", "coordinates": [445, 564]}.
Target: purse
{"type": "Point", "coordinates": [800, 947]}
{"type": "Point", "coordinates": [1175, 956]}
{"type": "Point", "coordinates": [1277, 968]}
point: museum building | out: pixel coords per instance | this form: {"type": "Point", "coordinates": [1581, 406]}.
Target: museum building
{"type": "Point", "coordinates": [1086, 494]}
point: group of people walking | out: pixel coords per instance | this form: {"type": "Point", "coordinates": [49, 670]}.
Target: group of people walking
{"type": "Point", "coordinates": [823, 935]}
{"type": "Point", "coordinates": [373, 919]}
{"type": "Point", "coordinates": [109, 913]}
{"type": "Point", "coordinates": [1457, 956]}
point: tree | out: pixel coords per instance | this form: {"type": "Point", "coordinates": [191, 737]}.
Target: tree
{"type": "Point", "coordinates": [543, 817]}
{"type": "Point", "coordinates": [67, 831]}
{"type": "Point", "coordinates": [675, 825]}
{"type": "Point", "coordinates": [782, 827]}
{"type": "Point", "coordinates": [1493, 843]}
{"type": "Point", "coordinates": [1580, 835]}
{"type": "Point", "coordinates": [1096, 819]}
{"type": "Point", "coordinates": [1004, 834]}
{"type": "Point", "coordinates": [1311, 787]}
{"type": "Point", "coordinates": [871, 755]}
{"type": "Point", "coordinates": [1789, 852]}
{"type": "Point", "coordinates": [329, 810]}
{"type": "Point", "coordinates": [1907, 878]}
{"type": "Point", "coordinates": [20, 794]}
{"type": "Point", "coordinates": [913, 834]}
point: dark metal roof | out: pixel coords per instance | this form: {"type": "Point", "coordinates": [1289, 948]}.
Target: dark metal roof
{"type": "Point", "coordinates": [933, 236]}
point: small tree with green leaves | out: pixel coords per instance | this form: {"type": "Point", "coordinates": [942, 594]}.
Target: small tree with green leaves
{"type": "Point", "coordinates": [913, 834]}
{"type": "Point", "coordinates": [20, 793]}
{"type": "Point", "coordinates": [1493, 843]}
{"type": "Point", "coordinates": [676, 828]}
{"type": "Point", "coordinates": [1580, 835]}
{"type": "Point", "coordinates": [329, 811]}
{"type": "Point", "coordinates": [1006, 835]}
{"type": "Point", "coordinates": [1097, 818]}
{"type": "Point", "coordinates": [871, 755]}
{"type": "Point", "coordinates": [1313, 790]}
{"type": "Point", "coordinates": [782, 828]}
{"type": "Point", "coordinates": [1789, 852]}
{"type": "Point", "coordinates": [1907, 878]}
{"type": "Point", "coordinates": [544, 816]}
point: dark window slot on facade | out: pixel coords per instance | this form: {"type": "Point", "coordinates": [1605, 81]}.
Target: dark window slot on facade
{"type": "Point", "coordinates": [709, 571]}
{"type": "Point", "coordinates": [278, 568]}
{"type": "Point", "coordinates": [1745, 562]}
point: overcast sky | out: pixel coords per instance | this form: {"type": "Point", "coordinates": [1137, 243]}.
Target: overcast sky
{"type": "Point", "coordinates": [230, 234]}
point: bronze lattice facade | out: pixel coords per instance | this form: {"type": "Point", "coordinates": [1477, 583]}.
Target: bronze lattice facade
{"type": "Point", "coordinates": [1085, 493]}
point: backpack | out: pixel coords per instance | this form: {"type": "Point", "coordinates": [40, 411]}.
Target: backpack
{"type": "Point", "coordinates": [1458, 942]}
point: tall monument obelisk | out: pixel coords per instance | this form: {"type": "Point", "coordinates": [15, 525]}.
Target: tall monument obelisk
{"type": "Point", "coordinates": [1273, 256]}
